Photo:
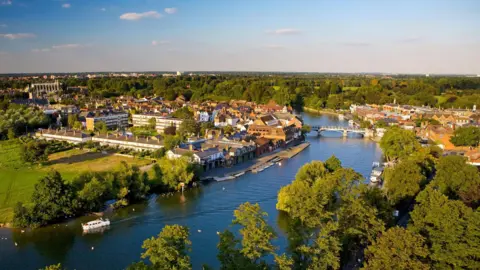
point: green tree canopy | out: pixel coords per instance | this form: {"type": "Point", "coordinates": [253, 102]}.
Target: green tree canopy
{"type": "Point", "coordinates": [398, 143]}
{"type": "Point", "coordinates": [450, 228]}
{"type": "Point", "coordinates": [170, 249]}
{"type": "Point", "coordinates": [333, 163]}
{"type": "Point", "coordinates": [101, 127]}
{"type": "Point", "coordinates": [466, 136]}
{"type": "Point", "coordinates": [458, 180]}
{"type": "Point", "coordinates": [176, 171]}
{"type": "Point", "coordinates": [403, 181]}
{"type": "Point", "coordinates": [397, 248]}
{"type": "Point", "coordinates": [189, 127]}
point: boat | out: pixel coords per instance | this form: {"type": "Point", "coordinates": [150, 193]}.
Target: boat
{"type": "Point", "coordinates": [219, 179]}
{"type": "Point", "coordinates": [239, 174]}
{"type": "Point", "coordinates": [341, 117]}
{"type": "Point", "coordinates": [351, 123]}
{"type": "Point", "coordinates": [95, 224]}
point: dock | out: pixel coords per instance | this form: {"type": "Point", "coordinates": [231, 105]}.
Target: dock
{"type": "Point", "coordinates": [265, 161]}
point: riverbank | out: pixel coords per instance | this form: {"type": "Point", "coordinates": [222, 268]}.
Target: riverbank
{"type": "Point", "coordinates": [322, 111]}
{"type": "Point", "coordinates": [255, 164]}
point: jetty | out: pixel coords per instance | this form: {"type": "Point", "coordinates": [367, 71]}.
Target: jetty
{"type": "Point", "coordinates": [263, 162]}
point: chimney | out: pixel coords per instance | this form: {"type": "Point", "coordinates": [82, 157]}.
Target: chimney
{"type": "Point", "coordinates": [190, 147]}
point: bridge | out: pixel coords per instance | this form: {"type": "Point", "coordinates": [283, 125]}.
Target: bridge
{"type": "Point", "coordinates": [343, 130]}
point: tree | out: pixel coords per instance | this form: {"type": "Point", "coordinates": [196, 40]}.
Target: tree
{"type": "Point", "coordinates": [450, 228]}
{"type": "Point", "coordinates": [170, 142]}
{"type": "Point", "coordinates": [72, 118]}
{"type": "Point", "coordinates": [176, 171]}
{"type": "Point", "coordinates": [206, 126]}
{"type": "Point", "coordinates": [255, 243]}
{"type": "Point", "coordinates": [324, 252]}
{"type": "Point", "coordinates": [403, 181]}
{"type": "Point", "coordinates": [77, 125]}
{"type": "Point", "coordinates": [34, 151]}
{"type": "Point", "coordinates": [458, 180]}
{"type": "Point", "coordinates": [183, 113]}
{"type": "Point", "coordinates": [170, 249]}
{"type": "Point", "coordinates": [189, 127]}
{"type": "Point", "coordinates": [52, 200]}
{"type": "Point", "coordinates": [333, 163]}
{"type": "Point", "coordinates": [466, 136]}
{"type": "Point", "coordinates": [256, 233]}
{"type": "Point", "coordinates": [92, 194]}
{"type": "Point", "coordinates": [101, 127]}
{"type": "Point", "coordinates": [171, 130]}
{"type": "Point", "coordinates": [398, 143]}
{"type": "Point", "coordinates": [306, 129]}
{"type": "Point", "coordinates": [397, 248]}
{"type": "Point", "coordinates": [152, 123]}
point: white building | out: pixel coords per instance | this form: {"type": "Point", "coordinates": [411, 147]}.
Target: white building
{"type": "Point", "coordinates": [203, 116]}
{"type": "Point", "coordinates": [135, 143]}
{"type": "Point", "coordinates": [161, 122]}
{"type": "Point", "coordinates": [70, 136]}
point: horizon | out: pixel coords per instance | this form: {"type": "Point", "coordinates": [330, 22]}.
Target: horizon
{"type": "Point", "coordinates": [348, 37]}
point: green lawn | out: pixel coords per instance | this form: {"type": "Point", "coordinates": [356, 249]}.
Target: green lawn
{"type": "Point", "coordinates": [441, 99]}
{"type": "Point", "coordinates": [17, 180]}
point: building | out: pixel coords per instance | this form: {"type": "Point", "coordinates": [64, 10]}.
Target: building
{"type": "Point", "coordinates": [37, 90]}
{"type": "Point", "coordinates": [70, 136]}
{"type": "Point", "coordinates": [161, 122]}
{"type": "Point", "coordinates": [136, 143]}
{"type": "Point", "coordinates": [112, 120]}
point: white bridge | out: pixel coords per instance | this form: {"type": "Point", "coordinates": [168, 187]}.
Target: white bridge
{"type": "Point", "coordinates": [343, 130]}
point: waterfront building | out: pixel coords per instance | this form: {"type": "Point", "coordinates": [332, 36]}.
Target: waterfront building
{"type": "Point", "coordinates": [112, 120]}
{"type": "Point", "coordinates": [161, 122]}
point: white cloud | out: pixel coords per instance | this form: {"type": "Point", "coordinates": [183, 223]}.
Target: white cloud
{"type": "Point", "coordinates": [41, 50]}
{"type": "Point", "coordinates": [6, 3]}
{"type": "Point", "coordinates": [17, 36]}
{"type": "Point", "coordinates": [171, 10]}
{"type": "Point", "coordinates": [284, 31]}
{"type": "Point", "coordinates": [61, 47]}
{"type": "Point", "coordinates": [274, 46]}
{"type": "Point", "coordinates": [66, 5]}
{"type": "Point", "coordinates": [103, 9]}
{"type": "Point", "coordinates": [67, 46]}
{"type": "Point", "coordinates": [132, 16]}
{"type": "Point", "coordinates": [160, 42]}
{"type": "Point", "coordinates": [356, 44]}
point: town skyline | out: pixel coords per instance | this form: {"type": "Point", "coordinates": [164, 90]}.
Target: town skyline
{"type": "Point", "coordinates": [430, 37]}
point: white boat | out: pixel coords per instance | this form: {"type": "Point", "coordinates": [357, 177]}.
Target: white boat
{"type": "Point", "coordinates": [341, 117]}
{"type": "Point", "coordinates": [239, 174]}
{"type": "Point", "coordinates": [219, 179]}
{"type": "Point", "coordinates": [95, 224]}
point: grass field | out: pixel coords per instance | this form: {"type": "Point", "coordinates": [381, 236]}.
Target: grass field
{"type": "Point", "coordinates": [441, 99]}
{"type": "Point", "coordinates": [17, 180]}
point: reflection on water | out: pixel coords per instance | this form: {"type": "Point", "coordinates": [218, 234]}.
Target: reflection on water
{"type": "Point", "coordinates": [208, 208]}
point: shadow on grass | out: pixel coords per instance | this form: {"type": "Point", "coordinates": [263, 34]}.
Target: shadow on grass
{"type": "Point", "coordinates": [79, 158]}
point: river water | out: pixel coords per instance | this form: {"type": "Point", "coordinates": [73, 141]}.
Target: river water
{"type": "Point", "coordinates": [204, 210]}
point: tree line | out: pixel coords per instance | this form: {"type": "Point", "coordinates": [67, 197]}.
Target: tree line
{"type": "Point", "coordinates": [55, 199]}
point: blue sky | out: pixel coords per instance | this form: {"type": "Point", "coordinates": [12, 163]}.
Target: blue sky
{"type": "Point", "coordinates": [404, 36]}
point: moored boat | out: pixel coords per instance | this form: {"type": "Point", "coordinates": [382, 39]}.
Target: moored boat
{"type": "Point", "coordinates": [219, 179]}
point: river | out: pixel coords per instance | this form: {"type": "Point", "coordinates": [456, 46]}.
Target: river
{"type": "Point", "coordinates": [208, 209]}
